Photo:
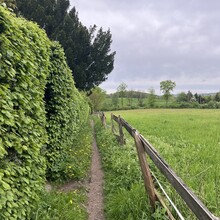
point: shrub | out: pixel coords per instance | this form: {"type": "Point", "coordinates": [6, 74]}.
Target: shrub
{"type": "Point", "coordinates": [66, 111]}
{"type": "Point", "coordinates": [24, 61]}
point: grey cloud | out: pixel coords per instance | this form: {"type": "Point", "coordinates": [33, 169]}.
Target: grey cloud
{"type": "Point", "coordinates": [157, 40]}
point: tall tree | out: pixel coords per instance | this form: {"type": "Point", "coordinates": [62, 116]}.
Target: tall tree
{"type": "Point", "coordinates": [166, 87]}
{"type": "Point", "coordinates": [122, 91]}
{"type": "Point", "coordinates": [217, 97]}
{"type": "Point", "coordinates": [189, 96]}
{"type": "Point", "coordinates": [102, 59]}
{"type": "Point", "coordinates": [151, 97]}
{"type": "Point", "coordinates": [88, 51]}
{"type": "Point", "coordinates": [47, 13]}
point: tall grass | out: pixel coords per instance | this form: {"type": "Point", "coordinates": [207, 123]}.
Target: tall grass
{"type": "Point", "coordinates": [56, 205]}
{"type": "Point", "coordinates": [125, 197]}
{"type": "Point", "coordinates": [189, 140]}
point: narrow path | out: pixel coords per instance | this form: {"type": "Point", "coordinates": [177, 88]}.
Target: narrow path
{"type": "Point", "coordinates": [95, 195]}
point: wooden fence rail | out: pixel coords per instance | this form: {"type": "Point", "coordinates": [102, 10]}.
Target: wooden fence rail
{"type": "Point", "coordinates": [143, 147]}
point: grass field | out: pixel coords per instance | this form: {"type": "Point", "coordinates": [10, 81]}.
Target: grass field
{"type": "Point", "coordinates": [189, 140]}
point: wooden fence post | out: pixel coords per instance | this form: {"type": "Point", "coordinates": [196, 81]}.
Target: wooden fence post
{"type": "Point", "coordinates": [103, 118]}
{"type": "Point", "coordinates": [112, 125]}
{"type": "Point", "coordinates": [121, 134]}
{"type": "Point", "coordinates": [148, 182]}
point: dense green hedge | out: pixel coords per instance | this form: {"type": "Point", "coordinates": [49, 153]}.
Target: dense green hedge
{"type": "Point", "coordinates": [24, 62]}
{"type": "Point", "coordinates": [29, 63]}
{"type": "Point", "coordinates": [66, 112]}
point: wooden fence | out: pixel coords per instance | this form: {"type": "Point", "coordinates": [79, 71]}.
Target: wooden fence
{"type": "Point", "coordinates": [144, 147]}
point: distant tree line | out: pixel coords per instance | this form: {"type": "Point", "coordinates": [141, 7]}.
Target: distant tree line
{"type": "Point", "coordinates": [125, 98]}
{"type": "Point", "coordinates": [87, 50]}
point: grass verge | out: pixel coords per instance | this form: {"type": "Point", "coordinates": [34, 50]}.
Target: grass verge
{"type": "Point", "coordinates": [69, 205]}
{"type": "Point", "coordinates": [125, 197]}
{"type": "Point", "coordinates": [61, 206]}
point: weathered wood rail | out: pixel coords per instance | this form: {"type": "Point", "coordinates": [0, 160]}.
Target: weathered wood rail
{"type": "Point", "coordinates": [143, 148]}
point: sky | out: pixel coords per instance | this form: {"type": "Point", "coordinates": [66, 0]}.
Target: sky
{"type": "Point", "coordinates": [157, 40]}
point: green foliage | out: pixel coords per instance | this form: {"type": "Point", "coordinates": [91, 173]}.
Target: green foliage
{"type": "Point", "coordinates": [121, 163]}
{"type": "Point", "coordinates": [24, 61]}
{"type": "Point", "coordinates": [87, 50]}
{"type": "Point", "coordinates": [188, 139]}
{"type": "Point", "coordinates": [47, 13]}
{"type": "Point", "coordinates": [128, 204]}
{"type": "Point", "coordinates": [88, 55]}
{"type": "Point", "coordinates": [11, 4]}
{"type": "Point", "coordinates": [181, 97]}
{"type": "Point", "coordinates": [69, 205]}
{"type": "Point", "coordinates": [61, 206]}
{"type": "Point", "coordinates": [66, 111]}
{"type": "Point", "coordinates": [217, 97]}
{"type": "Point", "coordinates": [97, 98]}
{"type": "Point", "coordinates": [124, 190]}
{"type": "Point", "coordinates": [151, 97]}
{"type": "Point", "coordinates": [29, 62]}
{"type": "Point", "coordinates": [78, 160]}
{"type": "Point", "coordinates": [122, 91]}
{"type": "Point", "coordinates": [115, 100]}
{"type": "Point", "coordinates": [166, 87]}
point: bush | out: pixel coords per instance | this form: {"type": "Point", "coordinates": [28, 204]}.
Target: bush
{"type": "Point", "coordinates": [66, 111]}
{"type": "Point", "coordinates": [24, 62]}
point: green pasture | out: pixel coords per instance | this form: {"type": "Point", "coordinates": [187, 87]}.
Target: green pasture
{"type": "Point", "coordinates": [189, 140]}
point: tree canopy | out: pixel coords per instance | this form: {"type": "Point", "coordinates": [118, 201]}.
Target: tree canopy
{"type": "Point", "coordinates": [166, 87]}
{"type": "Point", "coordinates": [88, 50]}
{"type": "Point", "coordinates": [121, 91]}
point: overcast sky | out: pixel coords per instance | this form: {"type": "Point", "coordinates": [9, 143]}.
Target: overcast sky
{"type": "Point", "coordinates": [158, 40]}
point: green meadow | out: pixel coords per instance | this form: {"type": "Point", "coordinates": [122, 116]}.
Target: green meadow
{"type": "Point", "coordinates": [189, 141]}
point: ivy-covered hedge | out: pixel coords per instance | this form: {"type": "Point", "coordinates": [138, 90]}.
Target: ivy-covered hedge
{"type": "Point", "coordinates": [66, 111]}
{"type": "Point", "coordinates": [24, 62]}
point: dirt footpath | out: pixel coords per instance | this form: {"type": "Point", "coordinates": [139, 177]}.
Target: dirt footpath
{"type": "Point", "coordinates": [95, 194]}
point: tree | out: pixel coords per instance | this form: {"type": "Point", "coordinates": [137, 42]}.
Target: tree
{"type": "Point", "coordinates": [97, 98]}
{"type": "Point", "coordinates": [181, 97]}
{"type": "Point", "coordinates": [121, 91]}
{"type": "Point", "coordinates": [217, 97]}
{"type": "Point", "coordinates": [49, 14]}
{"type": "Point", "coordinates": [101, 57]}
{"type": "Point", "coordinates": [130, 97]}
{"type": "Point", "coordinates": [189, 96]}
{"type": "Point", "coordinates": [140, 99]}
{"type": "Point", "coordinates": [115, 99]}
{"type": "Point", "coordinates": [151, 97]}
{"type": "Point", "coordinates": [196, 97]}
{"type": "Point", "coordinates": [11, 4]}
{"type": "Point", "coordinates": [88, 51]}
{"type": "Point", "coordinates": [166, 87]}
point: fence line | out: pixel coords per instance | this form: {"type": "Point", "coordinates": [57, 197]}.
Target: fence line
{"type": "Point", "coordinates": [143, 148]}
